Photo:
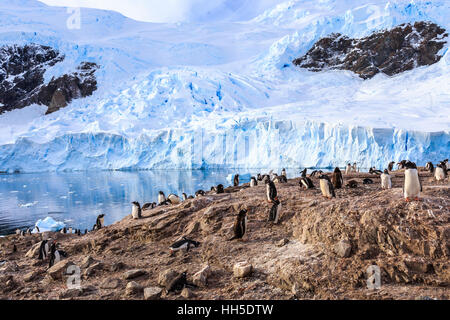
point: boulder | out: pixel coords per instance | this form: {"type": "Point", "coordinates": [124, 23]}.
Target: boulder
{"type": "Point", "coordinates": [152, 293]}
{"type": "Point", "coordinates": [110, 284]}
{"type": "Point", "coordinates": [133, 288]}
{"type": "Point", "coordinates": [59, 270]}
{"type": "Point", "coordinates": [166, 276]}
{"type": "Point", "coordinates": [343, 248]}
{"type": "Point", "coordinates": [242, 269]}
{"type": "Point", "coordinates": [201, 278]}
{"type": "Point", "coordinates": [34, 251]}
{"type": "Point", "coordinates": [133, 274]}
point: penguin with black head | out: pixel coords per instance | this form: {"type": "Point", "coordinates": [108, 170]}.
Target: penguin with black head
{"type": "Point", "coordinates": [240, 225]}
{"type": "Point", "coordinates": [253, 182]}
{"type": "Point", "coordinates": [386, 182]}
{"type": "Point", "coordinates": [136, 211]}
{"type": "Point", "coordinates": [429, 167]}
{"type": "Point", "coordinates": [391, 166]}
{"type": "Point", "coordinates": [326, 187]}
{"type": "Point", "coordinates": [183, 243]}
{"type": "Point", "coordinates": [412, 186]}
{"type": "Point", "coordinates": [272, 198]}
{"type": "Point", "coordinates": [336, 179]}
{"type": "Point", "coordinates": [236, 180]}
{"type": "Point", "coordinates": [440, 172]}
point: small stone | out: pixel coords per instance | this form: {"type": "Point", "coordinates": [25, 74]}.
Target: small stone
{"type": "Point", "coordinates": [30, 276]}
{"type": "Point", "coordinates": [70, 293]}
{"type": "Point", "coordinates": [34, 251]}
{"type": "Point", "coordinates": [200, 279]}
{"type": "Point", "coordinates": [152, 293]}
{"type": "Point", "coordinates": [187, 293]}
{"type": "Point", "coordinates": [47, 280]}
{"type": "Point", "coordinates": [242, 269]}
{"type": "Point", "coordinates": [282, 242]}
{"type": "Point", "coordinates": [133, 274]}
{"type": "Point", "coordinates": [110, 284]}
{"type": "Point", "coordinates": [59, 269]}
{"type": "Point", "coordinates": [166, 276]}
{"type": "Point", "coordinates": [133, 288]}
{"type": "Point", "coordinates": [343, 248]}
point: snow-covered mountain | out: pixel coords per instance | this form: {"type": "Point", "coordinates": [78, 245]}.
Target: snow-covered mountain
{"type": "Point", "coordinates": [226, 93]}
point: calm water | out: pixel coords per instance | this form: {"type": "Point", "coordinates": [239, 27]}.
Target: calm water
{"type": "Point", "coordinates": [76, 198]}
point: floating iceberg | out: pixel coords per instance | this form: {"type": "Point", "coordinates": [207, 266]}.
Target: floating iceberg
{"type": "Point", "coordinates": [49, 224]}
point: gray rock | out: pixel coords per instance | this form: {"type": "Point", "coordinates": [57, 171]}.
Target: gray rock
{"type": "Point", "coordinates": [166, 276]}
{"type": "Point", "coordinates": [110, 284]}
{"type": "Point", "coordinates": [152, 293]}
{"type": "Point", "coordinates": [187, 293]}
{"type": "Point", "coordinates": [242, 269]}
{"type": "Point", "coordinates": [133, 288]}
{"type": "Point", "coordinates": [343, 248]}
{"type": "Point", "coordinates": [133, 274]}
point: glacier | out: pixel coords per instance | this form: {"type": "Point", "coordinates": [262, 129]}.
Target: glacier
{"type": "Point", "coordinates": [215, 94]}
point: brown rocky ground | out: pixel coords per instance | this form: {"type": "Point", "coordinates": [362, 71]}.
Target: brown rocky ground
{"type": "Point", "coordinates": [321, 248]}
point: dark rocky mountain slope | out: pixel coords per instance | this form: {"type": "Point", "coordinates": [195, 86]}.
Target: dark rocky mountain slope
{"type": "Point", "coordinates": [402, 48]}
{"type": "Point", "coordinates": [22, 70]}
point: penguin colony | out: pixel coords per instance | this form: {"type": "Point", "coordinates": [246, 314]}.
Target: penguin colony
{"type": "Point", "coordinates": [412, 187]}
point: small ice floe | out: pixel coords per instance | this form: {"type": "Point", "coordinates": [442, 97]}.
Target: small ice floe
{"type": "Point", "coordinates": [49, 224]}
{"type": "Point", "coordinates": [27, 205]}
{"type": "Point", "coordinates": [63, 197]}
{"type": "Point", "coordinates": [14, 191]}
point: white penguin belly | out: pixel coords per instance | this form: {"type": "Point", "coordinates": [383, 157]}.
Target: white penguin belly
{"type": "Point", "coordinates": [325, 188]}
{"type": "Point", "coordinates": [439, 174]}
{"type": "Point", "coordinates": [135, 212]}
{"type": "Point", "coordinates": [57, 257]}
{"type": "Point", "coordinates": [161, 198]}
{"type": "Point", "coordinates": [412, 184]}
{"type": "Point", "coordinates": [386, 181]}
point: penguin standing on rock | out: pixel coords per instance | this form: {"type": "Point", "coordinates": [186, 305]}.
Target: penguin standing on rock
{"type": "Point", "coordinates": [412, 186]}
{"type": "Point", "coordinates": [136, 211]}
{"type": "Point", "coordinates": [55, 255]}
{"type": "Point", "coordinates": [327, 187]}
{"type": "Point", "coordinates": [430, 167]}
{"type": "Point", "coordinates": [161, 198]}
{"type": "Point", "coordinates": [173, 199]}
{"type": "Point", "coordinates": [253, 182]}
{"type": "Point", "coordinates": [283, 172]}
{"type": "Point", "coordinates": [337, 179]}
{"type": "Point", "coordinates": [240, 225]}
{"type": "Point", "coordinates": [272, 198]}
{"type": "Point", "coordinates": [220, 189]}
{"type": "Point", "coordinates": [44, 249]}
{"type": "Point", "coordinates": [236, 180]}
{"type": "Point", "coordinates": [391, 166]}
{"type": "Point", "coordinates": [99, 223]}
{"type": "Point", "coordinates": [386, 182]}
{"type": "Point", "coordinates": [375, 171]}
{"type": "Point", "coordinates": [440, 172]}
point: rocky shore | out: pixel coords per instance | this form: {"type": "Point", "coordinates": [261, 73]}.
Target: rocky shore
{"type": "Point", "coordinates": [321, 249]}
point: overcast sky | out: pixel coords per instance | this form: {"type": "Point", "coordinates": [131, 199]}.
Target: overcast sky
{"type": "Point", "coordinates": [174, 10]}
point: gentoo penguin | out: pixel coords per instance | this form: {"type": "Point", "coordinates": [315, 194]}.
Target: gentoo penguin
{"type": "Point", "coordinates": [327, 187]}
{"type": "Point", "coordinates": [199, 193]}
{"type": "Point", "coordinates": [63, 230]}
{"type": "Point", "coordinates": [375, 171]}
{"type": "Point", "coordinates": [401, 164]}
{"type": "Point", "coordinates": [348, 169]}
{"type": "Point", "coordinates": [85, 231]}
{"type": "Point", "coordinates": [44, 249]}
{"type": "Point", "coordinates": [259, 177]}
{"type": "Point", "coordinates": [236, 180]}
{"type": "Point", "coordinates": [174, 199]}
{"type": "Point", "coordinates": [306, 183]}
{"type": "Point", "coordinates": [272, 197]}
{"type": "Point", "coordinates": [55, 255]}
{"type": "Point", "coordinates": [337, 179]}
{"type": "Point", "coordinates": [352, 184]}
{"type": "Point", "coordinates": [136, 211]}
{"type": "Point", "coordinates": [184, 196]}
{"type": "Point", "coordinates": [316, 172]}
{"type": "Point", "coordinates": [70, 231]}
{"type": "Point", "coordinates": [430, 167]}
{"type": "Point", "coordinates": [283, 172]}
{"type": "Point", "coordinates": [179, 283]}
{"type": "Point", "coordinates": [280, 179]}
{"type": "Point", "coordinates": [29, 231]}
{"type": "Point", "coordinates": [37, 229]}
{"type": "Point", "coordinates": [161, 198]}
{"type": "Point", "coordinates": [253, 182]}
{"type": "Point", "coordinates": [240, 225]}
{"type": "Point", "coordinates": [412, 186]}
{"type": "Point", "coordinates": [149, 206]}
{"type": "Point", "coordinates": [441, 171]}
{"type": "Point", "coordinates": [391, 165]}
{"type": "Point", "coordinates": [265, 178]}
{"type": "Point", "coordinates": [354, 167]}
{"type": "Point", "coordinates": [386, 182]}
{"type": "Point", "coordinates": [79, 232]}
{"type": "Point", "coordinates": [367, 181]}
{"type": "Point", "coordinates": [447, 164]}
{"type": "Point", "coordinates": [100, 222]}
{"type": "Point", "coordinates": [303, 173]}
{"type": "Point", "coordinates": [183, 243]}
{"type": "Point", "coordinates": [220, 189]}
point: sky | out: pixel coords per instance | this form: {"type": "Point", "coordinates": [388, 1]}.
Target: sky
{"type": "Point", "coordinates": [176, 10]}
